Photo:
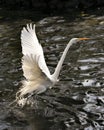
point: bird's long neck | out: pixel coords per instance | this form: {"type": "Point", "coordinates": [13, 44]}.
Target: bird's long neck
{"type": "Point", "coordinates": [59, 65]}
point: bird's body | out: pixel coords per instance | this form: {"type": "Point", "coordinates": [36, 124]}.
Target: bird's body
{"type": "Point", "coordinates": [36, 73]}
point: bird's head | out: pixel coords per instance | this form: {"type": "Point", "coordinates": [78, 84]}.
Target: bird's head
{"type": "Point", "coordinates": [75, 40]}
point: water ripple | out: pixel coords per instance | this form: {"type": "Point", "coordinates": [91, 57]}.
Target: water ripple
{"type": "Point", "coordinates": [76, 102]}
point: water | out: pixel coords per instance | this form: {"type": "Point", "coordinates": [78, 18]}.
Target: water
{"type": "Point", "coordinates": [77, 101]}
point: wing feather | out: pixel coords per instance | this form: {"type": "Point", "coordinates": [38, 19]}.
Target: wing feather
{"type": "Point", "coordinates": [33, 53]}
{"type": "Point", "coordinates": [34, 66]}
{"type": "Point", "coordinates": [30, 67]}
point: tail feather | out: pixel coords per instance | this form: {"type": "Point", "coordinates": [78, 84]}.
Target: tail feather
{"type": "Point", "coordinates": [28, 89]}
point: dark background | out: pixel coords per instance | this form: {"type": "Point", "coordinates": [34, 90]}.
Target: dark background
{"type": "Point", "coordinates": [52, 6]}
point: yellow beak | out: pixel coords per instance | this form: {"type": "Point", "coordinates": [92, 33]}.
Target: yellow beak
{"type": "Point", "coordinates": [84, 38]}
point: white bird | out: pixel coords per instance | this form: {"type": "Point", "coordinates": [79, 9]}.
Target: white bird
{"type": "Point", "coordinates": [36, 73]}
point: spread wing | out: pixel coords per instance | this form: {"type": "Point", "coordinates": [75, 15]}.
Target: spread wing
{"type": "Point", "coordinates": [33, 62]}
{"type": "Point", "coordinates": [34, 66]}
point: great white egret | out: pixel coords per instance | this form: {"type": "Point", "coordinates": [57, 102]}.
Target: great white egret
{"type": "Point", "coordinates": [36, 73]}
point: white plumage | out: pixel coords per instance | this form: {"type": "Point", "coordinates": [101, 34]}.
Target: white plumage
{"type": "Point", "coordinates": [36, 73]}
{"type": "Point", "coordinates": [34, 66]}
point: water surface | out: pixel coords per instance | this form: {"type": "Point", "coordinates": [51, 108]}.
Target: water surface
{"type": "Point", "coordinates": [77, 101]}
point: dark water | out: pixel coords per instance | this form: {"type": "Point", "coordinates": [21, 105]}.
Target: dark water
{"type": "Point", "coordinates": [77, 101]}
